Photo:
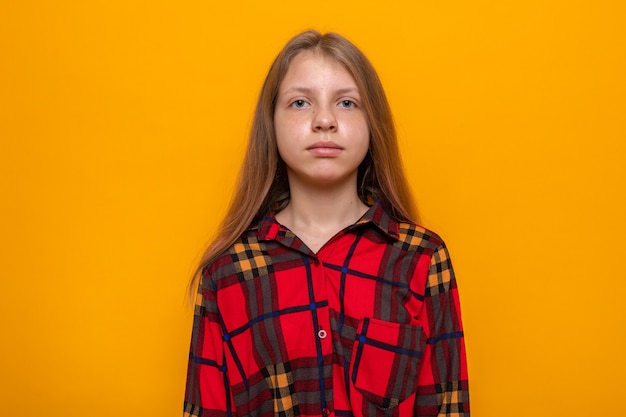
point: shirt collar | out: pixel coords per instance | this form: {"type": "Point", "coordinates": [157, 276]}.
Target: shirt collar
{"type": "Point", "coordinates": [268, 228]}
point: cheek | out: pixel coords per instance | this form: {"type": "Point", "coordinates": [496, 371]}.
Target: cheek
{"type": "Point", "coordinates": [290, 135]}
{"type": "Point", "coordinates": [364, 134]}
{"type": "Point", "coordinates": [280, 133]}
{"type": "Point", "coordinates": [360, 126]}
{"type": "Point", "coordinates": [287, 128]}
{"type": "Point", "coordinates": [284, 145]}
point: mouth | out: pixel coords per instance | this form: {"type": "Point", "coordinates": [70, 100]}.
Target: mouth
{"type": "Point", "coordinates": [325, 149]}
{"type": "Point", "coordinates": [324, 145]}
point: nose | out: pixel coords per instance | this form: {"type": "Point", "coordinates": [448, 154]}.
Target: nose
{"type": "Point", "coordinates": [324, 120]}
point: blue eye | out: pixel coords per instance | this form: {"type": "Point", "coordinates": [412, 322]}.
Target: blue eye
{"type": "Point", "coordinates": [348, 104]}
{"type": "Point", "coordinates": [298, 104]}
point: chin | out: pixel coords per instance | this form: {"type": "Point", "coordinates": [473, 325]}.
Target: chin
{"type": "Point", "coordinates": [326, 180]}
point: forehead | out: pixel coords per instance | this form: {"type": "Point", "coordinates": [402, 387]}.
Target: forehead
{"type": "Point", "coordinates": [316, 69]}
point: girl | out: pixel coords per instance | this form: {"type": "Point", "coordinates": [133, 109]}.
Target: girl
{"type": "Point", "coordinates": [320, 295]}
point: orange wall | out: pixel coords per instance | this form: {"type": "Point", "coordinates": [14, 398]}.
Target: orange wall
{"type": "Point", "coordinates": [122, 124]}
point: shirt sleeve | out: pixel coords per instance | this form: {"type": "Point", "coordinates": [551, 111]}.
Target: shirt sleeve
{"type": "Point", "coordinates": [442, 381]}
{"type": "Point", "coordinates": [207, 391]}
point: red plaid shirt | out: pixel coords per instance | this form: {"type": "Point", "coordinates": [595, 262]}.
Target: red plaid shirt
{"type": "Point", "coordinates": [368, 326]}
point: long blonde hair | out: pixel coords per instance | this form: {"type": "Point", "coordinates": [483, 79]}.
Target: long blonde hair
{"type": "Point", "coordinates": [262, 185]}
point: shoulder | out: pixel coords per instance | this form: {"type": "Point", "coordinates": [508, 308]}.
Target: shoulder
{"type": "Point", "coordinates": [413, 237]}
{"type": "Point", "coordinates": [244, 257]}
{"type": "Point", "coordinates": [246, 243]}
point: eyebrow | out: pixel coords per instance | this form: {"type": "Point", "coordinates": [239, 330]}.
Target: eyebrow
{"type": "Point", "coordinates": [306, 90]}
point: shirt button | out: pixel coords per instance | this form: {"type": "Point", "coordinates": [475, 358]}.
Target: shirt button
{"type": "Point", "coordinates": [326, 412]}
{"type": "Point", "coordinates": [322, 335]}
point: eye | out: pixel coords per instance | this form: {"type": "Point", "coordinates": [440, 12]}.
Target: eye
{"type": "Point", "coordinates": [298, 104]}
{"type": "Point", "coordinates": [347, 104]}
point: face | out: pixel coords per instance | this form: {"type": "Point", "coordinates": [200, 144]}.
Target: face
{"type": "Point", "coordinates": [321, 129]}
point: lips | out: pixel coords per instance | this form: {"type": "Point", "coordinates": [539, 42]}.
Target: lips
{"type": "Point", "coordinates": [325, 149]}
{"type": "Point", "coordinates": [324, 144]}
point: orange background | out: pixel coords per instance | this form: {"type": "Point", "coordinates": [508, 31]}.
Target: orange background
{"type": "Point", "coordinates": [122, 124]}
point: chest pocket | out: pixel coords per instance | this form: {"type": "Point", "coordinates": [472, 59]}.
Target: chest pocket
{"type": "Point", "coordinates": [385, 361]}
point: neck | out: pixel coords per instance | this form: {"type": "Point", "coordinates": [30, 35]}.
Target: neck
{"type": "Point", "coordinates": [323, 209]}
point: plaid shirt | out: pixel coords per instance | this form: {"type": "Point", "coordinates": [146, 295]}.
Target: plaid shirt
{"type": "Point", "coordinates": [368, 326]}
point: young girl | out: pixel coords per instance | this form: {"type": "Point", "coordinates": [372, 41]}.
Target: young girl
{"type": "Point", "coordinates": [321, 296]}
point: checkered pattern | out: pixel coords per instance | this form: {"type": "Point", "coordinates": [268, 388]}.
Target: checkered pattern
{"type": "Point", "coordinates": [368, 326]}
{"type": "Point", "coordinates": [280, 380]}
